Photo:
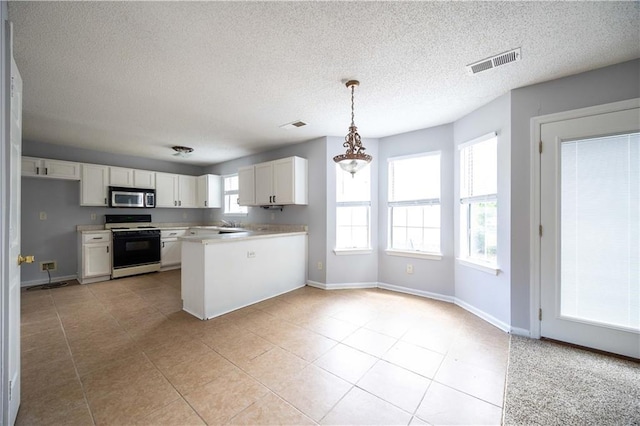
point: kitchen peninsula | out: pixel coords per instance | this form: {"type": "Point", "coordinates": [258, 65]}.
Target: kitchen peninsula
{"type": "Point", "coordinates": [227, 271]}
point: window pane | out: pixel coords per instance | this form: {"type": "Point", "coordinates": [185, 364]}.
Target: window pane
{"type": "Point", "coordinates": [231, 183]}
{"type": "Point", "coordinates": [355, 187]}
{"type": "Point", "coordinates": [409, 231]}
{"type": "Point", "coordinates": [479, 169]}
{"type": "Point", "coordinates": [600, 230]}
{"type": "Point", "coordinates": [352, 227]}
{"type": "Point", "coordinates": [483, 236]}
{"type": "Point", "coordinates": [416, 178]}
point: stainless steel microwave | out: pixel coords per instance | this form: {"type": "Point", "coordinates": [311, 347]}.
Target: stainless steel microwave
{"type": "Point", "coordinates": [132, 197]}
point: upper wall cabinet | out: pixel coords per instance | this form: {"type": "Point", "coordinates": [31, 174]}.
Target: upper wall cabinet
{"type": "Point", "coordinates": [54, 169]}
{"type": "Point", "coordinates": [247, 186]}
{"type": "Point", "coordinates": [93, 185]}
{"type": "Point", "coordinates": [209, 191]}
{"type": "Point", "coordinates": [175, 190]}
{"type": "Point", "coordinates": [132, 178]}
{"type": "Point", "coordinates": [279, 182]}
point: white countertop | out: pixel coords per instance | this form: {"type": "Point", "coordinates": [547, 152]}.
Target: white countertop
{"type": "Point", "coordinates": [236, 236]}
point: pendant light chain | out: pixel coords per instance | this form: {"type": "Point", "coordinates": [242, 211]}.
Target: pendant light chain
{"type": "Point", "coordinates": [352, 103]}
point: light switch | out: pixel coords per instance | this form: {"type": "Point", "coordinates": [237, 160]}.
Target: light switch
{"type": "Point", "coordinates": [93, 216]}
{"type": "Point", "coordinates": [43, 215]}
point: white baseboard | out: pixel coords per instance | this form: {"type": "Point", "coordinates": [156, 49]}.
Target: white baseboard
{"type": "Point", "coordinates": [341, 286]}
{"type": "Point", "coordinates": [520, 332]}
{"type": "Point", "coordinates": [46, 280]}
{"type": "Point", "coordinates": [485, 316]}
{"type": "Point", "coordinates": [421, 293]}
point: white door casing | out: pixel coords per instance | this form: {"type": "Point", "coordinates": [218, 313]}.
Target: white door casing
{"type": "Point", "coordinates": [554, 324]}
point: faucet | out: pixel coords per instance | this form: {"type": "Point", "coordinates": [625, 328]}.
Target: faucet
{"type": "Point", "coordinates": [228, 224]}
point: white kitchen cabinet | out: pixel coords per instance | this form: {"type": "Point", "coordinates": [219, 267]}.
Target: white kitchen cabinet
{"type": "Point", "coordinates": [53, 169]}
{"type": "Point", "coordinates": [93, 185]}
{"type": "Point", "coordinates": [209, 191]}
{"type": "Point", "coordinates": [187, 191]}
{"type": "Point", "coordinates": [175, 190]}
{"type": "Point", "coordinates": [119, 176]}
{"type": "Point", "coordinates": [281, 182]}
{"type": "Point", "coordinates": [144, 179]}
{"type": "Point", "coordinates": [171, 248]}
{"type": "Point", "coordinates": [246, 186]}
{"type": "Point", "coordinates": [95, 260]}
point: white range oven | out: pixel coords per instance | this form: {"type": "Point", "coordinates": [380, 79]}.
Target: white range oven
{"type": "Point", "coordinates": [136, 244]}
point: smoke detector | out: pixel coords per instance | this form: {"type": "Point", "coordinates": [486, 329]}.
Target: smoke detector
{"type": "Point", "coordinates": [182, 151]}
{"type": "Point", "coordinates": [494, 61]}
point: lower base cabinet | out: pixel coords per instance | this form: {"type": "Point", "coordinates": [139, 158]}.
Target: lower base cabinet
{"type": "Point", "coordinates": [95, 257]}
{"type": "Point", "coordinates": [171, 248]}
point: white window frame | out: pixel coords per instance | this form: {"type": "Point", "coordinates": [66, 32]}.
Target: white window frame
{"type": "Point", "coordinates": [231, 192]}
{"type": "Point", "coordinates": [420, 254]}
{"type": "Point", "coordinates": [465, 211]}
{"type": "Point", "coordinates": [354, 250]}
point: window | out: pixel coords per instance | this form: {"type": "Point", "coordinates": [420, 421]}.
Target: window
{"type": "Point", "coordinates": [353, 205]}
{"type": "Point", "coordinates": [414, 203]}
{"type": "Point", "coordinates": [478, 200]}
{"type": "Point", "coordinates": [231, 206]}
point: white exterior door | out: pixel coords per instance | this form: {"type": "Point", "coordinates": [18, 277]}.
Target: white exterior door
{"type": "Point", "coordinates": [11, 241]}
{"type": "Point", "coordinates": [590, 245]}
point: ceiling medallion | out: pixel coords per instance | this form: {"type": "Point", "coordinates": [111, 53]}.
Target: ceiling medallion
{"type": "Point", "coordinates": [355, 158]}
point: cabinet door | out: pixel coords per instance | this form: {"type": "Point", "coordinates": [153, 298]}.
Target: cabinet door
{"type": "Point", "coordinates": [264, 184]}
{"type": "Point", "coordinates": [209, 191]}
{"type": "Point", "coordinates": [96, 260]}
{"type": "Point", "coordinates": [283, 181]}
{"type": "Point", "coordinates": [31, 166]}
{"type": "Point", "coordinates": [187, 191]}
{"type": "Point", "coordinates": [119, 176]}
{"type": "Point", "coordinates": [171, 252]}
{"type": "Point", "coordinates": [246, 186]}
{"type": "Point", "coordinates": [93, 185]}
{"type": "Point", "coordinates": [144, 179]}
{"type": "Point", "coordinates": [166, 190]}
{"type": "Point", "coordinates": [62, 169]}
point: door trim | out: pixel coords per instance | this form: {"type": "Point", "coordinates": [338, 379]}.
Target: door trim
{"type": "Point", "coordinates": [535, 202]}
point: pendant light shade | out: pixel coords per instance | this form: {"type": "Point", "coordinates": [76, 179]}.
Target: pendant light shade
{"type": "Point", "coordinates": [354, 158]}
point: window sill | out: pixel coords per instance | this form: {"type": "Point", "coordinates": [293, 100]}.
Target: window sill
{"type": "Point", "coordinates": [484, 267]}
{"type": "Point", "coordinates": [236, 214]}
{"type": "Point", "coordinates": [349, 252]}
{"type": "Point", "coordinates": [414, 254]}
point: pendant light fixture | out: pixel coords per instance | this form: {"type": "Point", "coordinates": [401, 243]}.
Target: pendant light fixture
{"type": "Point", "coordinates": [355, 158]}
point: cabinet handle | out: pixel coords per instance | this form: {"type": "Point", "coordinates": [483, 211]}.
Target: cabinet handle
{"type": "Point", "coordinates": [37, 170]}
{"type": "Point", "coordinates": [238, 200]}
{"type": "Point", "coordinates": [270, 197]}
{"type": "Point", "coordinates": [97, 238]}
{"type": "Point", "coordinates": [180, 203]}
{"type": "Point", "coordinates": [205, 203]}
{"type": "Point", "coordinates": [46, 170]}
{"type": "Point", "coordinates": [163, 244]}
{"type": "Point", "coordinates": [175, 203]}
{"type": "Point", "coordinates": [107, 249]}
{"type": "Point", "coordinates": [105, 201]}
{"type": "Point", "coordinates": [173, 233]}
{"type": "Point", "coordinates": [274, 199]}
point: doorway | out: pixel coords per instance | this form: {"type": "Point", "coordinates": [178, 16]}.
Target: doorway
{"type": "Point", "coordinates": [589, 247]}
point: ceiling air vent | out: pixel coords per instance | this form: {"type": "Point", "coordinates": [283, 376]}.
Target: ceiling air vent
{"type": "Point", "coordinates": [494, 61]}
{"type": "Point", "coordinates": [293, 125]}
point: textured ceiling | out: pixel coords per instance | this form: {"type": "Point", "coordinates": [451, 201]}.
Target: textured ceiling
{"type": "Point", "coordinates": [138, 77]}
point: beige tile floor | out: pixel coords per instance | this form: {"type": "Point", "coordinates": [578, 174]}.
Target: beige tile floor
{"type": "Point", "coordinates": [122, 352]}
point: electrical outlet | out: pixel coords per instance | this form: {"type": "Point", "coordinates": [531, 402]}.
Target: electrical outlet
{"type": "Point", "coordinates": [184, 215]}
{"type": "Point", "coordinates": [409, 268]}
{"type": "Point", "coordinates": [49, 265]}
{"type": "Point", "coordinates": [93, 216]}
{"type": "Point", "coordinates": [251, 254]}
{"type": "Point", "coordinates": [319, 266]}
{"type": "Point", "coordinates": [43, 215]}
{"type": "Point", "coordinates": [273, 216]}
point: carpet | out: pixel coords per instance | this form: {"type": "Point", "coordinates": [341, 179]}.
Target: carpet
{"type": "Point", "coordinates": [553, 384]}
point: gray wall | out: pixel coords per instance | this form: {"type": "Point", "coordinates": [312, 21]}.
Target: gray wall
{"type": "Point", "coordinates": [433, 276]}
{"type": "Point", "coordinates": [313, 215]}
{"type": "Point", "coordinates": [55, 238]}
{"type": "Point", "coordinates": [486, 292]}
{"type": "Point", "coordinates": [605, 85]}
